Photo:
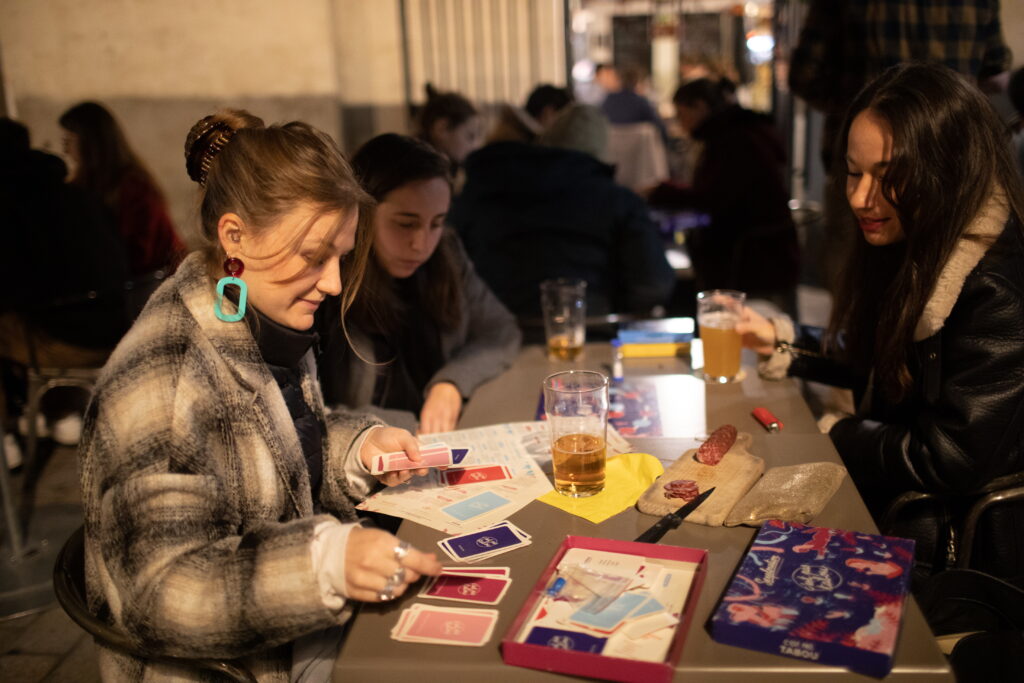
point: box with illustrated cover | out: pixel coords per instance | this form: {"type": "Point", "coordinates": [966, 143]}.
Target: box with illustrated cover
{"type": "Point", "coordinates": [824, 595]}
{"type": "Point", "coordinates": [615, 610]}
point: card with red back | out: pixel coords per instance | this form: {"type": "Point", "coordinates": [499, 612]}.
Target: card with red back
{"type": "Point", "coordinates": [475, 475]}
{"type": "Point", "coordinates": [435, 455]}
{"type": "Point", "coordinates": [484, 590]}
{"type": "Point", "coordinates": [448, 626]}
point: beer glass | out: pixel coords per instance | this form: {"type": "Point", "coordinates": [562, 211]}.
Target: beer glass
{"type": "Point", "coordinates": [576, 405]}
{"type": "Point", "coordinates": [718, 311]}
{"type": "Point", "coordinates": [564, 307]}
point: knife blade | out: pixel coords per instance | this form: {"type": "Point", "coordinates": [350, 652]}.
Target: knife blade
{"type": "Point", "coordinates": [671, 520]}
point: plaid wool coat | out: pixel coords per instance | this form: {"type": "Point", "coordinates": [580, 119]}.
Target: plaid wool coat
{"type": "Point", "coordinates": [198, 513]}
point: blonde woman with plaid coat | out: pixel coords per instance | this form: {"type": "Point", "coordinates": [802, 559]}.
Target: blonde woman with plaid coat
{"type": "Point", "coordinates": [218, 494]}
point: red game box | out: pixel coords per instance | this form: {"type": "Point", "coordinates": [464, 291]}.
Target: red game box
{"type": "Point", "coordinates": [598, 665]}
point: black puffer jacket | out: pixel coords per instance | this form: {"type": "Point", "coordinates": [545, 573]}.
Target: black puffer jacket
{"type": "Point", "coordinates": [528, 213]}
{"type": "Point", "coordinates": [962, 424]}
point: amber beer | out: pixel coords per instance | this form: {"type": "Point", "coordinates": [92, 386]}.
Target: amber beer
{"type": "Point", "coordinates": [721, 345]}
{"type": "Point", "coordinates": [578, 464]}
{"type": "Point", "coordinates": [563, 306]}
{"type": "Point", "coordinates": [718, 311]}
{"type": "Point", "coordinates": [576, 407]}
{"type": "Point", "coordinates": [561, 347]}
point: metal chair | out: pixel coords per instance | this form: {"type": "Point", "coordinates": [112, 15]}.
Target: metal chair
{"type": "Point", "coordinates": [1003, 489]}
{"type": "Point", "coordinates": [69, 586]}
{"type": "Point", "coordinates": [135, 294]}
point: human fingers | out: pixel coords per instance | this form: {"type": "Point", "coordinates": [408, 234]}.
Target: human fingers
{"type": "Point", "coordinates": [397, 478]}
{"type": "Point", "coordinates": [380, 567]}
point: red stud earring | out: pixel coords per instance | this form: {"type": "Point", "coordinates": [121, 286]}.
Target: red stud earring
{"type": "Point", "coordinates": [233, 267]}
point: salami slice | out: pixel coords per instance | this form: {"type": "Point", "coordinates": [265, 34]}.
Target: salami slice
{"type": "Point", "coordinates": [720, 441]}
{"type": "Point", "coordinates": [682, 488]}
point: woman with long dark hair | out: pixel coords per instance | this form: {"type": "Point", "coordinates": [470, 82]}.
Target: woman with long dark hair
{"type": "Point", "coordinates": [425, 330]}
{"type": "Point", "coordinates": [927, 324]}
{"type": "Point", "coordinates": [104, 163]}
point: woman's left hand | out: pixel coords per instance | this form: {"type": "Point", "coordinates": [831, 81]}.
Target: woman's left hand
{"type": "Point", "coordinates": [441, 409]}
{"type": "Point", "coordinates": [389, 440]}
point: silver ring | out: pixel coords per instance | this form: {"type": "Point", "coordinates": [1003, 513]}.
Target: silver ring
{"type": "Point", "coordinates": [388, 592]}
{"type": "Point", "coordinates": [398, 577]}
{"type": "Point", "coordinates": [401, 550]}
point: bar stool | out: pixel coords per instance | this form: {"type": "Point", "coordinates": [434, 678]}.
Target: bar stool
{"type": "Point", "coordinates": [41, 381]}
{"type": "Point", "coordinates": [69, 585]}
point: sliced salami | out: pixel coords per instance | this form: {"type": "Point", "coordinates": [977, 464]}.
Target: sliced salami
{"type": "Point", "coordinates": [720, 441]}
{"type": "Point", "coordinates": [682, 488]}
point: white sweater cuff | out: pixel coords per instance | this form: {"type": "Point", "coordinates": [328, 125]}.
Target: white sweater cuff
{"type": "Point", "coordinates": [330, 542]}
{"type": "Point", "coordinates": [776, 365]}
{"type": "Point", "coordinates": [360, 481]}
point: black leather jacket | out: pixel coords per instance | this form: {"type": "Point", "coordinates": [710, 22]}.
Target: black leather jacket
{"type": "Point", "coordinates": [961, 426]}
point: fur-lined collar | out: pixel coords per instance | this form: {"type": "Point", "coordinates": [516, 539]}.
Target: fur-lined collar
{"type": "Point", "coordinates": [984, 230]}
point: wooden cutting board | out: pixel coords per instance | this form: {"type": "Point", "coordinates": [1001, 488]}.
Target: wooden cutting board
{"type": "Point", "coordinates": [732, 478]}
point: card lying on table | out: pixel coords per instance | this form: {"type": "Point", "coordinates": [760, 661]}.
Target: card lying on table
{"type": "Point", "coordinates": [434, 455]}
{"type": "Point", "coordinates": [445, 625]}
{"type": "Point", "coordinates": [486, 543]}
{"type": "Point", "coordinates": [468, 586]}
{"type": "Point", "coordinates": [475, 475]}
{"type": "Point", "coordinates": [824, 595]}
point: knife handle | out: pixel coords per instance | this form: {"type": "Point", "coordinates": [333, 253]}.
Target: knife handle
{"type": "Point", "coordinates": [657, 530]}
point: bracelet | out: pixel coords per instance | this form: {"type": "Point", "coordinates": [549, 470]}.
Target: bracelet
{"type": "Point", "coordinates": [787, 347]}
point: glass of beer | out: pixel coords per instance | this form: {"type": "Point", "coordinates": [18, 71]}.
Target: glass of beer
{"type": "Point", "coordinates": [576, 405]}
{"type": "Point", "coordinates": [564, 307]}
{"type": "Point", "coordinates": [718, 311]}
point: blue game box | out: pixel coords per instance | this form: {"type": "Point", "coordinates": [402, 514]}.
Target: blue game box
{"type": "Point", "coordinates": [824, 595]}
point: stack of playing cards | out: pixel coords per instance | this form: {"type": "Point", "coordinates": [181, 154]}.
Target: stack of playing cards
{"type": "Point", "coordinates": [434, 455]}
{"type": "Point", "coordinates": [445, 625]}
{"type": "Point", "coordinates": [481, 545]}
{"type": "Point", "coordinates": [482, 585]}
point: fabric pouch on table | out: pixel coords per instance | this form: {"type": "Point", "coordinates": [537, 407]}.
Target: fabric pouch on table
{"type": "Point", "coordinates": [731, 478]}
{"type": "Point", "coordinates": [797, 493]}
{"type": "Point", "coordinates": [625, 478]}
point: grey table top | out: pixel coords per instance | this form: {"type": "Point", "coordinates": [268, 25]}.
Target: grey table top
{"type": "Point", "coordinates": [370, 654]}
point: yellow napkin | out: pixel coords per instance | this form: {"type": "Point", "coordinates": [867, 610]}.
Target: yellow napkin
{"type": "Point", "coordinates": [625, 477]}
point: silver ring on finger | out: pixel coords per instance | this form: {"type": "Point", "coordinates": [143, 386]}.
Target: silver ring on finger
{"type": "Point", "coordinates": [388, 592]}
{"type": "Point", "coordinates": [401, 550]}
{"type": "Point", "coordinates": [398, 577]}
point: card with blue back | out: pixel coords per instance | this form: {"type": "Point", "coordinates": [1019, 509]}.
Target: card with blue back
{"type": "Point", "coordinates": [486, 541]}
{"type": "Point", "coordinates": [477, 505]}
{"type": "Point", "coordinates": [565, 640]}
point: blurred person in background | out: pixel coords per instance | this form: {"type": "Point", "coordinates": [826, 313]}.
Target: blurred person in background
{"type": "Point", "coordinates": [62, 274]}
{"type": "Point", "coordinates": [451, 124]}
{"type": "Point", "coordinates": [530, 212]}
{"type": "Point", "coordinates": [103, 163]}
{"type": "Point", "coordinates": [546, 102]}
{"type": "Point", "coordinates": [627, 105]}
{"type": "Point", "coordinates": [750, 243]}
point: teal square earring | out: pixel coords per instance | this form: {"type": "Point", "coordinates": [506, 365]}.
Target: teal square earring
{"type": "Point", "coordinates": [233, 267]}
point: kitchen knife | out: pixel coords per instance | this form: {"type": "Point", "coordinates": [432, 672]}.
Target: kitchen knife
{"type": "Point", "coordinates": [672, 520]}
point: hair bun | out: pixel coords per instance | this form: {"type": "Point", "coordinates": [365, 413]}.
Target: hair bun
{"type": "Point", "coordinates": [209, 136]}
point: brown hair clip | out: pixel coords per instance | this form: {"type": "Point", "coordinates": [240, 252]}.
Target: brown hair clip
{"type": "Point", "coordinates": [199, 168]}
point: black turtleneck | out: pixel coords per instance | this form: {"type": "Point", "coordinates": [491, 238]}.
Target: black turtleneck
{"type": "Point", "coordinates": [282, 349]}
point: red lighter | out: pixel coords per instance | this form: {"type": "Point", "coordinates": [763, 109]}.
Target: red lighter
{"type": "Point", "coordinates": [769, 421]}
